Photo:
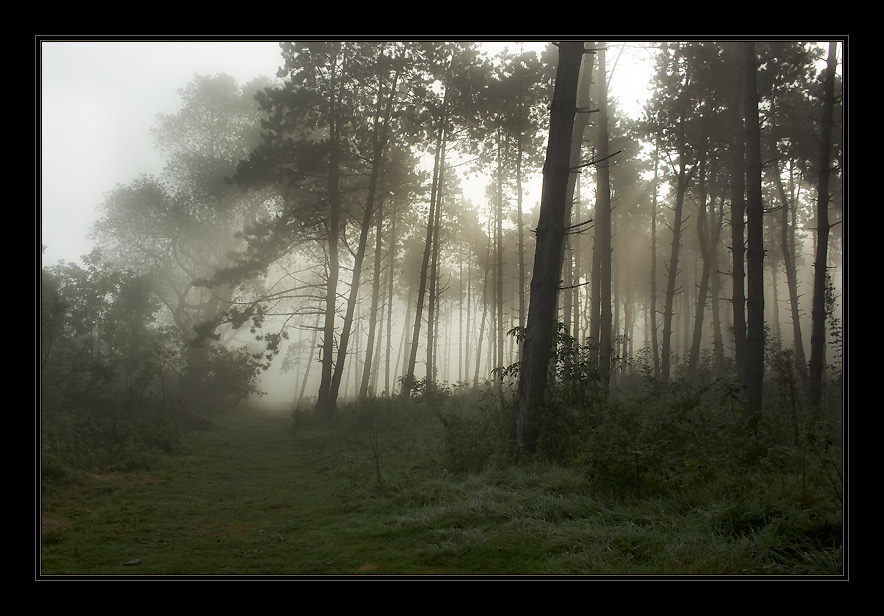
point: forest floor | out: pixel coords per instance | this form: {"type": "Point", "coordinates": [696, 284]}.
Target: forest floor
{"type": "Point", "coordinates": [263, 494]}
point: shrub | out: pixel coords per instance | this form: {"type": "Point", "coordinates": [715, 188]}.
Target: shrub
{"type": "Point", "coordinates": [475, 430]}
{"type": "Point", "coordinates": [220, 377]}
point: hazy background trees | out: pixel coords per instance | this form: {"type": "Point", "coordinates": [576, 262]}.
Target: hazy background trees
{"type": "Point", "coordinates": [333, 217]}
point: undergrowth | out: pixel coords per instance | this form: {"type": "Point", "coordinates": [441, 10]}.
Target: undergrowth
{"type": "Point", "coordinates": [649, 480]}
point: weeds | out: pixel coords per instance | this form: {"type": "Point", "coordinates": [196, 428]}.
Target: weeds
{"type": "Point", "coordinates": [651, 481]}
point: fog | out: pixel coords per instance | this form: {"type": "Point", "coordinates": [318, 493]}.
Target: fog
{"type": "Point", "coordinates": [101, 99]}
{"type": "Point", "coordinates": [98, 102]}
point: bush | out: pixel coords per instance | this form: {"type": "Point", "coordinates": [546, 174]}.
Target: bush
{"type": "Point", "coordinates": [105, 435]}
{"type": "Point", "coordinates": [220, 377]}
{"type": "Point", "coordinates": [475, 430]}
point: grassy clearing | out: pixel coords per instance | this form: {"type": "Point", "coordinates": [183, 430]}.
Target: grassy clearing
{"type": "Point", "coordinates": [372, 495]}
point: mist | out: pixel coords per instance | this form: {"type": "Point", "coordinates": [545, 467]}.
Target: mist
{"type": "Point", "coordinates": [99, 133]}
{"type": "Point", "coordinates": [460, 295]}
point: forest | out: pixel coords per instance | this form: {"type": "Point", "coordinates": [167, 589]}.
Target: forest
{"type": "Point", "coordinates": [654, 300]}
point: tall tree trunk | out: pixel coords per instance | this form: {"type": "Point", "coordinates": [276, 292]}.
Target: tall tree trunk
{"type": "Point", "coordinates": [434, 292]}
{"type": "Point", "coordinates": [408, 382]}
{"type": "Point", "coordinates": [539, 333]}
{"type": "Point", "coordinates": [787, 247]}
{"type": "Point", "coordinates": [603, 230]}
{"type": "Point", "coordinates": [669, 304]}
{"type": "Point", "coordinates": [393, 246]}
{"type": "Point", "coordinates": [655, 348]}
{"type": "Point", "coordinates": [523, 305]}
{"type": "Point", "coordinates": [376, 367]}
{"type": "Point", "coordinates": [460, 324]}
{"type": "Point", "coordinates": [818, 313]}
{"type": "Point", "coordinates": [738, 211]}
{"type": "Point", "coordinates": [575, 274]}
{"type": "Point", "coordinates": [404, 343]}
{"type": "Point", "coordinates": [776, 330]}
{"type": "Point", "coordinates": [379, 144]}
{"type": "Point", "coordinates": [498, 235]}
{"type": "Point", "coordinates": [581, 122]}
{"type": "Point", "coordinates": [309, 359]}
{"type": "Point", "coordinates": [324, 405]}
{"type": "Point", "coordinates": [715, 287]}
{"type": "Point", "coordinates": [468, 329]}
{"type": "Point", "coordinates": [375, 300]}
{"type": "Point", "coordinates": [755, 242]}
{"type": "Point", "coordinates": [484, 307]}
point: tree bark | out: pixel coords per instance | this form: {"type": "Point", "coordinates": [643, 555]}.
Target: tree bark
{"type": "Point", "coordinates": [375, 300]}
{"type": "Point", "coordinates": [539, 333]}
{"type": "Point", "coordinates": [655, 348]}
{"type": "Point", "coordinates": [755, 242]}
{"type": "Point", "coordinates": [498, 254]}
{"type": "Point", "coordinates": [408, 382]}
{"type": "Point", "coordinates": [787, 246]}
{"type": "Point", "coordinates": [603, 230]}
{"type": "Point", "coordinates": [738, 211]}
{"type": "Point", "coordinates": [669, 302]}
{"type": "Point", "coordinates": [379, 144]}
{"type": "Point", "coordinates": [434, 292]}
{"type": "Point", "coordinates": [324, 406]}
{"type": "Point", "coordinates": [818, 313]}
{"type": "Point", "coordinates": [393, 246]}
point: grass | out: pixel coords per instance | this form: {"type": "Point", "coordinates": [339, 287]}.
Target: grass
{"type": "Point", "coordinates": [370, 495]}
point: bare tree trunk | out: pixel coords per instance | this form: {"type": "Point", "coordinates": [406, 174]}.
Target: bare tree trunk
{"type": "Point", "coordinates": [408, 382]}
{"type": "Point", "coordinates": [775, 312]}
{"type": "Point", "coordinates": [309, 359]}
{"type": "Point", "coordinates": [498, 235]}
{"type": "Point", "coordinates": [390, 280]}
{"type": "Point", "coordinates": [468, 329]}
{"type": "Point", "coordinates": [818, 313]}
{"type": "Point", "coordinates": [576, 268]}
{"type": "Point", "coordinates": [755, 242]}
{"type": "Point", "coordinates": [375, 299]}
{"type": "Point", "coordinates": [324, 406]}
{"type": "Point", "coordinates": [581, 122]}
{"type": "Point", "coordinates": [484, 309]}
{"type": "Point", "coordinates": [434, 293]}
{"type": "Point", "coordinates": [655, 349]}
{"type": "Point", "coordinates": [669, 305]}
{"type": "Point", "coordinates": [715, 286]}
{"type": "Point", "coordinates": [738, 210]}
{"type": "Point", "coordinates": [379, 139]}
{"type": "Point", "coordinates": [523, 305]}
{"type": "Point", "coordinates": [404, 344]}
{"type": "Point", "coordinates": [787, 246]}
{"type": "Point", "coordinates": [539, 333]}
{"type": "Point", "coordinates": [603, 230]}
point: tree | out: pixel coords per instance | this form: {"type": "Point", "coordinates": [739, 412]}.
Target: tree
{"type": "Point", "coordinates": [673, 117]}
{"type": "Point", "coordinates": [755, 239]}
{"type": "Point", "coordinates": [818, 323]}
{"type": "Point", "coordinates": [738, 208]}
{"type": "Point", "coordinates": [540, 329]}
{"type": "Point", "coordinates": [328, 130]}
{"type": "Point", "coordinates": [178, 230]}
{"type": "Point", "coordinates": [602, 248]}
{"type": "Point", "coordinates": [457, 70]}
{"type": "Point", "coordinates": [791, 147]}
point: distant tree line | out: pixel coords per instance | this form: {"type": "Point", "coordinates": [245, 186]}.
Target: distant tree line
{"type": "Point", "coordinates": [322, 217]}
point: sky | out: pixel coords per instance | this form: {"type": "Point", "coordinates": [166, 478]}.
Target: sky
{"type": "Point", "coordinates": [100, 99]}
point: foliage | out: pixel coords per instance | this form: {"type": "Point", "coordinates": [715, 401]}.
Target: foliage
{"type": "Point", "coordinates": [110, 374]}
{"type": "Point", "coordinates": [573, 391]}
{"type": "Point", "coordinates": [221, 377]}
{"type": "Point", "coordinates": [305, 501]}
{"type": "Point", "coordinates": [475, 430]}
{"type": "Point", "coordinates": [105, 368]}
